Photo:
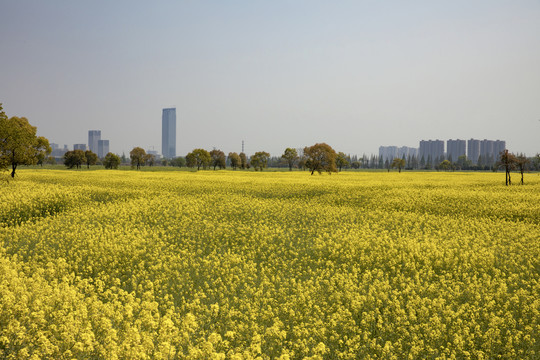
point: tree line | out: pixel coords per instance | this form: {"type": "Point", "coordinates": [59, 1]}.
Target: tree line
{"type": "Point", "coordinates": [19, 145]}
{"type": "Point", "coordinates": [319, 157]}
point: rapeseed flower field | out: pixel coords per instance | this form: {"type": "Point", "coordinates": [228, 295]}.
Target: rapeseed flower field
{"type": "Point", "coordinates": [248, 265]}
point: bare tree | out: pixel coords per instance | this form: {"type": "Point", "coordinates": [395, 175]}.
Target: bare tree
{"type": "Point", "coordinates": [522, 164]}
{"type": "Point", "coordinates": [508, 161]}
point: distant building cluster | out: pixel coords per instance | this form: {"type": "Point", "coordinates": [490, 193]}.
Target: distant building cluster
{"type": "Point", "coordinates": [432, 152]}
{"type": "Point", "coordinates": [455, 149]}
{"type": "Point", "coordinates": [433, 149]}
{"type": "Point", "coordinates": [95, 144]}
{"type": "Point", "coordinates": [101, 146]}
{"type": "Point", "coordinates": [391, 152]}
{"type": "Point", "coordinates": [58, 152]}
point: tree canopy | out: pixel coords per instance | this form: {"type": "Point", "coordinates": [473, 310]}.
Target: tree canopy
{"type": "Point", "coordinates": [342, 160]}
{"type": "Point", "coordinates": [74, 158]}
{"type": "Point", "coordinates": [178, 161]}
{"type": "Point", "coordinates": [199, 158]}
{"type": "Point", "coordinates": [43, 150]}
{"type": "Point", "coordinates": [234, 160]}
{"type": "Point", "coordinates": [445, 165]}
{"type": "Point", "coordinates": [291, 156]}
{"type": "Point", "coordinates": [320, 157]}
{"type": "Point", "coordinates": [243, 160]}
{"type": "Point", "coordinates": [398, 163]}
{"type": "Point", "coordinates": [91, 158]}
{"type": "Point", "coordinates": [259, 160]}
{"type": "Point", "coordinates": [19, 144]}
{"type": "Point", "coordinates": [111, 161]}
{"type": "Point", "coordinates": [149, 159]}
{"type": "Point", "coordinates": [138, 157]}
{"type": "Point", "coordinates": [218, 159]}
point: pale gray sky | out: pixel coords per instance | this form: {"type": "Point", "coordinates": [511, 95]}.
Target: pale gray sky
{"type": "Point", "coordinates": [355, 74]}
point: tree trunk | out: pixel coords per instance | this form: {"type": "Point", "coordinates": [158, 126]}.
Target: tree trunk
{"type": "Point", "coordinates": [312, 171]}
{"type": "Point", "coordinates": [13, 166]}
{"type": "Point", "coordinates": [521, 176]}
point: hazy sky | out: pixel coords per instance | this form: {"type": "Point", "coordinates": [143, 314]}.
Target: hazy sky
{"type": "Point", "coordinates": [355, 74]}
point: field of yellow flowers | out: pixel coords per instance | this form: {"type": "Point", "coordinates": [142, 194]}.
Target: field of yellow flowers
{"type": "Point", "coordinates": [284, 265]}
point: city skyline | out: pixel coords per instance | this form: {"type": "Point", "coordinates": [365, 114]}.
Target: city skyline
{"type": "Point", "coordinates": [282, 74]}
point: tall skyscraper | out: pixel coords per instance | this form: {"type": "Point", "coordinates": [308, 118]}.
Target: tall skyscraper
{"type": "Point", "coordinates": [103, 148]}
{"type": "Point", "coordinates": [168, 133]}
{"type": "Point", "coordinates": [93, 137]}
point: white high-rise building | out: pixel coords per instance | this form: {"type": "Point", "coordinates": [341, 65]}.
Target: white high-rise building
{"type": "Point", "coordinates": [168, 133]}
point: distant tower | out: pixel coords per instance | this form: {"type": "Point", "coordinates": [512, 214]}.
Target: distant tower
{"type": "Point", "coordinates": [103, 148]}
{"type": "Point", "coordinates": [168, 133]}
{"type": "Point", "coordinates": [93, 138]}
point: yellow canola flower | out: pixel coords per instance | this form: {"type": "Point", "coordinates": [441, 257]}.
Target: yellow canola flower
{"type": "Point", "coordinates": [235, 264]}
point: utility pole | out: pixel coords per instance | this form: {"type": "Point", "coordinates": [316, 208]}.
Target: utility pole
{"type": "Point", "coordinates": [242, 145]}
